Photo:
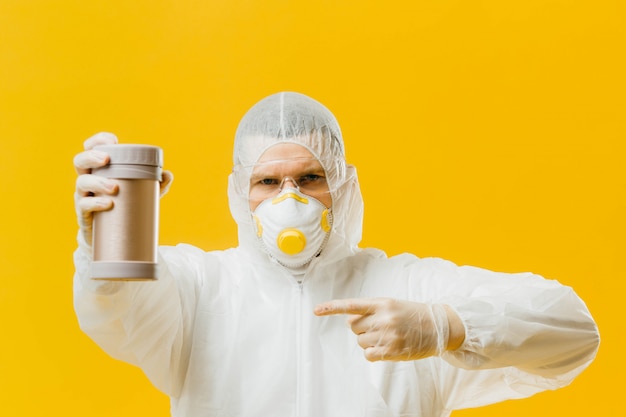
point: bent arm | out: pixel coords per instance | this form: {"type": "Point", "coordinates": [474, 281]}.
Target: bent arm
{"type": "Point", "coordinates": [523, 334]}
{"type": "Point", "coordinates": [522, 320]}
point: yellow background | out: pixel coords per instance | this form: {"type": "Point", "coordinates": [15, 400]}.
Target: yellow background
{"type": "Point", "coordinates": [489, 133]}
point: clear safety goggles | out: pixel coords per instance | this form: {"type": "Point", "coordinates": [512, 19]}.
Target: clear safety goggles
{"type": "Point", "coordinates": [268, 179]}
{"type": "Point", "coordinates": [310, 184]}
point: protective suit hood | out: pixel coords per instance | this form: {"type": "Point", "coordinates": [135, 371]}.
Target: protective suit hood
{"type": "Point", "coordinates": [289, 117]}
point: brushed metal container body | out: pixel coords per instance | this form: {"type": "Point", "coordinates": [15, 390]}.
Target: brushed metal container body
{"type": "Point", "coordinates": [125, 238]}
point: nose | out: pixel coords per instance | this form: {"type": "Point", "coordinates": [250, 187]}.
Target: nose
{"type": "Point", "coordinates": [288, 182]}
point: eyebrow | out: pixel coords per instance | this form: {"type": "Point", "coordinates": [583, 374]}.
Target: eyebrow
{"type": "Point", "coordinates": [278, 169]}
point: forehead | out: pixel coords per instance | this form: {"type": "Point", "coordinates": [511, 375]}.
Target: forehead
{"type": "Point", "coordinates": [286, 158]}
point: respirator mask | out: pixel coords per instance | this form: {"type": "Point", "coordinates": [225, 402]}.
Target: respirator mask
{"type": "Point", "coordinates": [292, 227]}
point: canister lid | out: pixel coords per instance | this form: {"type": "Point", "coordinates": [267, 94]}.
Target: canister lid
{"type": "Point", "coordinates": [129, 154]}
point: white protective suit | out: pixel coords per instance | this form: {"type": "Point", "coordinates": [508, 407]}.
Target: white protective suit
{"type": "Point", "coordinates": [232, 333]}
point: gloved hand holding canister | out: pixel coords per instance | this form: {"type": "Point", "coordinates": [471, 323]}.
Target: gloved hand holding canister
{"type": "Point", "coordinates": [117, 203]}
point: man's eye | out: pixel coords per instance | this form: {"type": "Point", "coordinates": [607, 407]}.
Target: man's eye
{"type": "Point", "coordinates": [310, 178]}
{"type": "Point", "coordinates": [268, 181]}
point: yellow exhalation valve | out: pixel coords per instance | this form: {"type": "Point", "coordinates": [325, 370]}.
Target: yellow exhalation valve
{"type": "Point", "coordinates": [291, 241]}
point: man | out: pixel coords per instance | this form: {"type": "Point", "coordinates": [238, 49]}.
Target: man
{"type": "Point", "coordinates": [257, 330]}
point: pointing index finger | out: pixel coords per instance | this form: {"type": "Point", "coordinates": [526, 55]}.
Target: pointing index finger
{"type": "Point", "coordinates": [360, 306]}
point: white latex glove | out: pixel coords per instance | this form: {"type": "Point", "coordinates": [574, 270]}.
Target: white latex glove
{"type": "Point", "coordinates": [92, 191]}
{"type": "Point", "coordinates": [398, 330]}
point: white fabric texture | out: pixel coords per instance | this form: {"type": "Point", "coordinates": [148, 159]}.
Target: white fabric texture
{"type": "Point", "coordinates": [231, 333]}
